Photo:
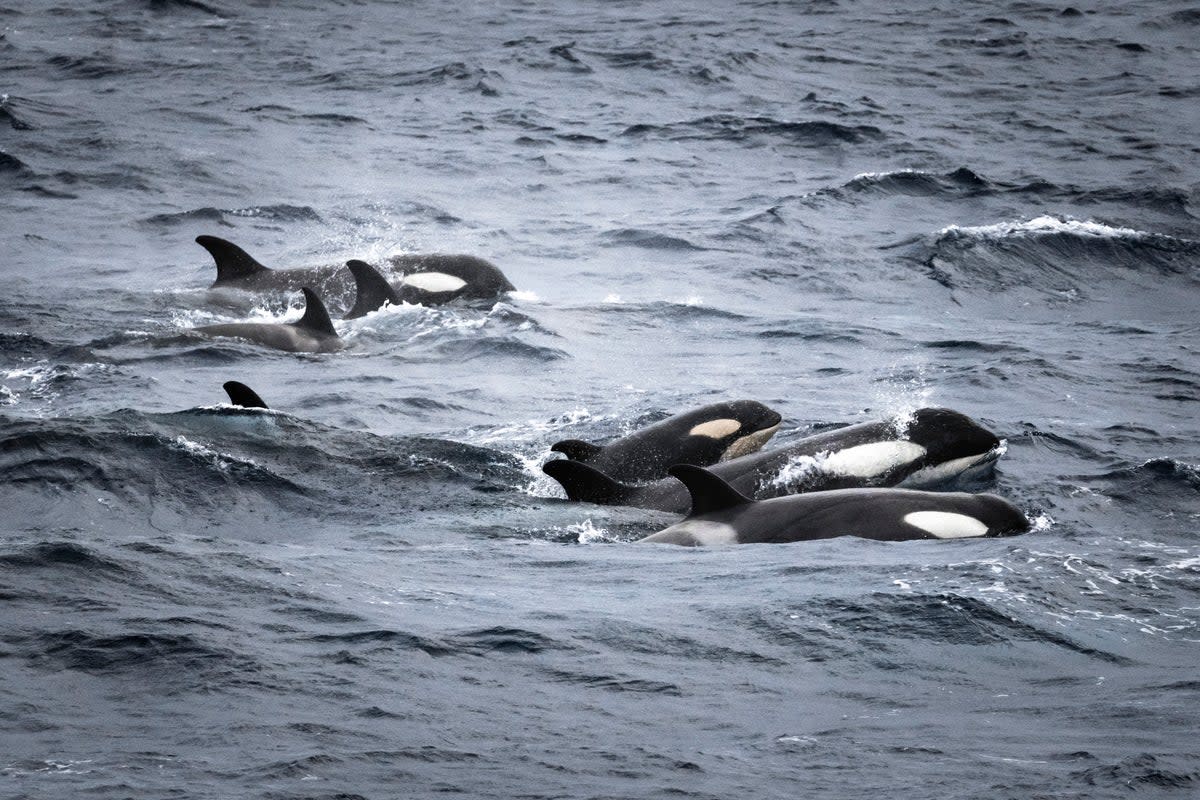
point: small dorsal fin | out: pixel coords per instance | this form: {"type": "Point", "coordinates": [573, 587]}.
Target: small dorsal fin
{"type": "Point", "coordinates": [709, 493]}
{"type": "Point", "coordinates": [373, 289]}
{"type": "Point", "coordinates": [585, 483]}
{"type": "Point", "coordinates": [316, 318]}
{"type": "Point", "coordinates": [232, 261]}
{"type": "Point", "coordinates": [242, 395]}
{"type": "Point", "coordinates": [576, 449]}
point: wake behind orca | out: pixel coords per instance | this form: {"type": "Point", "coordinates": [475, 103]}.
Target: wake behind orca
{"type": "Point", "coordinates": [722, 515]}
{"type": "Point", "coordinates": [935, 446]}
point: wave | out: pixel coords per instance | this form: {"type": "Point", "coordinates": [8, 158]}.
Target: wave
{"type": "Point", "coordinates": [184, 5]}
{"type": "Point", "coordinates": [502, 347]}
{"type": "Point", "coordinates": [91, 67]}
{"type": "Point", "coordinates": [223, 216]}
{"type": "Point", "coordinates": [165, 656]}
{"type": "Point", "coordinates": [200, 468]}
{"type": "Point", "coordinates": [1064, 257]}
{"type": "Point", "coordinates": [485, 642]}
{"type": "Point", "coordinates": [728, 127]}
{"type": "Point", "coordinates": [959, 183]}
{"type": "Point", "coordinates": [1173, 203]}
{"type": "Point", "coordinates": [648, 239]}
{"type": "Point", "coordinates": [886, 623]}
{"type": "Point", "coordinates": [1144, 771]}
{"type": "Point", "coordinates": [8, 113]}
{"type": "Point", "coordinates": [11, 165]}
{"type": "Point", "coordinates": [58, 555]}
{"type": "Point", "coordinates": [1140, 484]}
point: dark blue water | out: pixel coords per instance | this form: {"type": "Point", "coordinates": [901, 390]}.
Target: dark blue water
{"type": "Point", "coordinates": [846, 210]}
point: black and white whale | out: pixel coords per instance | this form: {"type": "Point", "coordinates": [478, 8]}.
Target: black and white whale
{"type": "Point", "coordinates": [702, 436]}
{"type": "Point", "coordinates": [432, 279]}
{"type": "Point", "coordinates": [426, 278]}
{"type": "Point", "coordinates": [722, 515]}
{"type": "Point", "coordinates": [934, 446]}
{"type": "Point", "coordinates": [312, 333]}
{"type": "Point", "coordinates": [237, 269]}
{"type": "Point", "coordinates": [242, 395]}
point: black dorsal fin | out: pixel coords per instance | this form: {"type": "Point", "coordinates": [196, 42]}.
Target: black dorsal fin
{"type": "Point", "coordinates": [373, 289]}
{"type": "Point", "coordinates": [316, 318]}
{"type": "Point", "coordinates": [576, 449]}
{"type": "Point", "coordinates": [585, 483]}
{"type": "Point", "coordinates": [232, 261]}
{"type": "Point", "coordinates": [709, 493]}
{"type": "Point", "coordinates": [242, 395]}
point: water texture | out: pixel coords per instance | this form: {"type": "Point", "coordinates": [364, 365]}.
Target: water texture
{"type": "Point", "coordinates": [845, 210]}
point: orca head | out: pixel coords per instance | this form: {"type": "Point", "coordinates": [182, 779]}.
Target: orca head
{"type": "Point", "coordinates": [953, 443]}
{"type": "Point", "coordinates": [736, 428]}
{"type": "Point", "coordinates": [982, 515]}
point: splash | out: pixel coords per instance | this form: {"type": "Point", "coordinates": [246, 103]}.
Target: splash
{"type": "Point", "coordinates": [586, 532]}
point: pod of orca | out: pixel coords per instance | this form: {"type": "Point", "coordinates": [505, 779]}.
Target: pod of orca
{"type": "Point", "coordinates": [862, 480]}
{"type": "Point", "coordinates": [426, 279]}
{"type": "Point", "coordinates": [844, 482]}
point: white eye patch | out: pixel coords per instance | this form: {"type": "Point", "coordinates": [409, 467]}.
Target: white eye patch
{"type": "Point", "coordinates": [434, 282]}
{"type": "Point", "coordinates": [715, 428]}
{"type": "Point", "coordinates": [946, 524]}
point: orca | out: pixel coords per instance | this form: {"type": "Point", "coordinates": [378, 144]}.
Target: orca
{"type": "Point", "coordinates": [237, 269]}
{"type": "Point", "coordinates": [242, 395]}
{"type": "Point", "coordinates": [431, 279]}
{"type": "Point", "coordinates": [436, 278]}
{"type": "Point", "coordinates": [312, 333]}
{"type": "Point", "coordinates": [703, 436]}
{"type": "Point", "coordinates": [723, 515]}
{"type": "Point", "coordinates": [426, 278]}
{"type": "Point", "coordinates": [372, 291]}
{"type": "Point", "coordinates": [935, 446]}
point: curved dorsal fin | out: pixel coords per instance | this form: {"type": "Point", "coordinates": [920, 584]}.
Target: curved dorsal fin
{"type": "Point", "coordinates": [576, 449]}
{"type": "Point", "coordinates": [232, 261]}
{"type": "Point", "coordinates": [585, 483]}
{"type": "Point", "coordinates": [709, 493]}
{"type": "Point", "coordinates": [316, 318]}
{"type": "Point", "coordinates": [373, 289]}
{"type": "Point", "coordinates": [242, 395]}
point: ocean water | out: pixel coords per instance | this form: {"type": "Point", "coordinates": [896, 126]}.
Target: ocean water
{"type": "Point", "coordinates": [845, 210]}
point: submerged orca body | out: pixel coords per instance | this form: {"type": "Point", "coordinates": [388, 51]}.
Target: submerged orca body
{"type": "Point", "coordinates": [703, 436]}
{"type": "Point", "coordinates": [242, 395]}
{"type": "Point", "coordinates": [722, 515]}
{"type": "Point", "coordinates": [312, 333]}
{"type": "Point", "coordinates": [936, 446]}
{"type": "Point", "coordinates": [429, 279]}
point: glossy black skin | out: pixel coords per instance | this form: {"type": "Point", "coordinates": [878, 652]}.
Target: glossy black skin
{"type": "Point", "coordinates": [866, 513]}
{"type": "Point", "coordinates": [242, 395]}
{"type": "Point", "coordinates": [237, 269]}
{"type": "Point", "coordinates": [484, 280]}
{"type": "Point", "coordinates": [645, 454]}
{"type": "Point", "coordinates": [946, 435]}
